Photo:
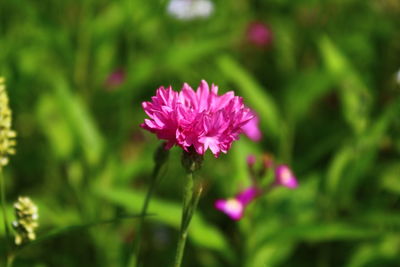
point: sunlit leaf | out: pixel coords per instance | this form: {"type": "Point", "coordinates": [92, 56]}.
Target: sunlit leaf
{"type": "Point", "coordinates": [355, 96]}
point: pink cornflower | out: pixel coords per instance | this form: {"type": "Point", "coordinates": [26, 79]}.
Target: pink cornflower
{"type": "Point", "coordinates": [201, 119]}
{"type": "Point", "coordinates": [285, 177]}
{"type": "Point", "coordinates": [234, 207]}
{"type": "Point", "coordinates": [259, 34]}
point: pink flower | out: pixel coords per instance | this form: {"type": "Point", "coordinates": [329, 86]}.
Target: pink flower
{"type": "Point", "coordinates": [285, 177]}
{"type": "Point", "coordinates": [251, 129]}
{"type": "Point", "coordinates": [115, 79]}
{"type": "Point", "coordinates": [259, 34]}
{"type": "Point", "coordinates": [251, 160]}
{"type": "Point", "coordinates": [234, 207]}
{"type": "Point", "coordinates": [201, 119]}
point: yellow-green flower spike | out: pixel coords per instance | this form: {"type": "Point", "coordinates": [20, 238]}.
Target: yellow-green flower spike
{"type": "Point", "coordinates": [26, 214]}
{"type": "Point", "coordinates": [7, 135]}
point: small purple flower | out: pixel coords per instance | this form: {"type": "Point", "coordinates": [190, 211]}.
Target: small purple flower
{"type": "Point", "coordinates": [259, 34]}
{"type": "Point", "coordinates": [234, 207]}
{"type": "Point", "coordinates": [252, 130]}
{"type": "Point", "coordinates": [115, 79]}
{"type": "Point", "coordinates": [285, 177]}
{"type": "Point", "coordinates": [231, 207]}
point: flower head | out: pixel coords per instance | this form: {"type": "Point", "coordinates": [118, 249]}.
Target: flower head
{"type": "Point", "coordinates": [259, 34]}
{"type": "Point", "coordinates": [234, 207]}
{"type": "Point", "coordinates": [7, 135]}
{"type": "Point", "coordinates": [201, 119]}
{"type": "Point", "coordinates": [285, 177]}
{"type": "Point", "coordinates": [26, 213]}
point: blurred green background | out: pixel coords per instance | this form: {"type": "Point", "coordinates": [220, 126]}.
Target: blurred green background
{"type": "Point", "coordinates": [325, 90]}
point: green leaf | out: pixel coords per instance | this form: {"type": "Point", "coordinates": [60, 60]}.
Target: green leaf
{"type": "Point", "coordinates": [254, 94]}
{"type": "Point", "coordinates": [325, 232]}
{"type": "Point", "coordinates": [390, 178]}
{"type": "Point", "coordinates": [340, 161]}
{"type": "Point", "coordinates": [55, 127]}
{"type": "Point", "coordinates": [372, 253]}
{"type": "Point", "coordinates": [78, 227]}
{"type": "Point", "coordinates": [352, 161]}
{"type": "Point", "coordinates": [80, 122]}
{"type": "Point", "coordinates": [380, 218]}
{"type": "Point", "coordinates": [183, 53]}
{"type": "Point", "coordinates": [355, 96]}
{"type": "Point", "coordinates": [305, 89]}
{"type": "Point", "coordinates": [271, 254]}
{"type": "Point", "coordinates": [200, 232]}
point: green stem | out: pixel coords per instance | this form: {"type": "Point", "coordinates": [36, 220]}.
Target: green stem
{"type": "Point", "coordinates": [10, 260]}
{"type": "Point", "coordinates": [191, 198]}
{"type": "Point", "coordinates": [3, 207]}
{"type": "Point", "coordinates": [286, 140]}
{"type": "Point", "coordinates": [160, 157]}
{"type": "Point", "coordinates": [136, 241]}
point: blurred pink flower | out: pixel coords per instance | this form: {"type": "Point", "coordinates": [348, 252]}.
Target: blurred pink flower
{"type": "Point", "coordinates": [285, 177]}
{"type": "Point", "coordinates": [234, 207]}
{"type": "Point", "coordinates": [201, 119]}
{"type": "Point", "coordinates": [251, 160]}
{"type": "Point", "coordinates": [252, 130]}
{"type": "Point", "coordinates": [115, 79]}
{"type": "Point", "coordinates": [259, 34]}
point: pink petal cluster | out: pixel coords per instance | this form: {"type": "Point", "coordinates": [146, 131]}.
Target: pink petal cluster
{"type": "Point", "coordinates": [201, 119]}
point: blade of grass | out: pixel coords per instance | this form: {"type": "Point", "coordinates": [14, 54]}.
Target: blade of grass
{"type": "Point", "coordinates": [254, 94]}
